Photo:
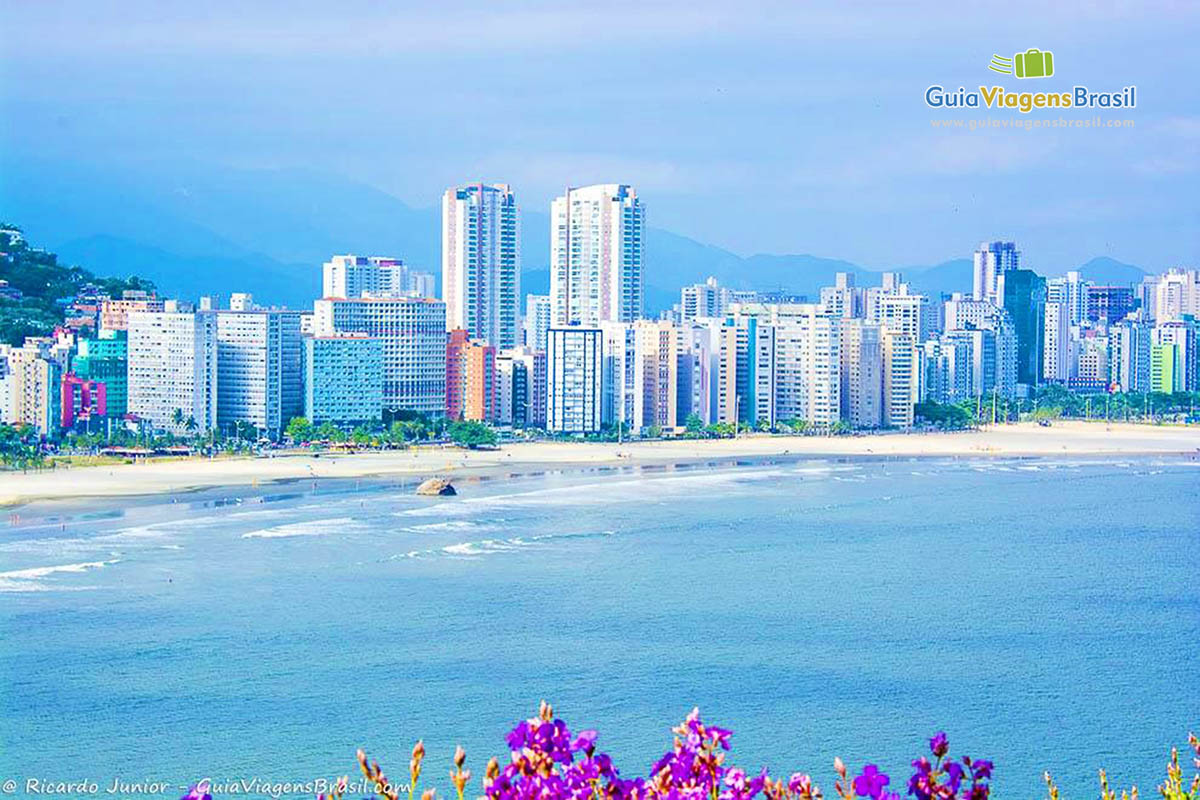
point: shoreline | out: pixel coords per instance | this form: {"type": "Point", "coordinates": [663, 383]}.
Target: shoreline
{"type": "Point", "coordinates": [1074, 438]}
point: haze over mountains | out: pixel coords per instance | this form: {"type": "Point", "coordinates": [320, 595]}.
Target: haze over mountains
{"type": "Point", "coordinates": [214, 231]}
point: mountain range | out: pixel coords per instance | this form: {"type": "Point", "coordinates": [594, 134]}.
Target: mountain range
{"type": "Point", "coordinates": [194, 229]}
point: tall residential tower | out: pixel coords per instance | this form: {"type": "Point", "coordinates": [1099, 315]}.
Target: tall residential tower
{"type": "Point", "coordinates": [481, 263]}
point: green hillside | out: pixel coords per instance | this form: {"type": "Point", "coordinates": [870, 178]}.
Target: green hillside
{"type": "Point", "coordinates": [46, 287]}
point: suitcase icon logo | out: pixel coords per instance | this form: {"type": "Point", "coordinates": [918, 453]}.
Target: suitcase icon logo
{"type": "Point", "coordinates": [1033, 63]}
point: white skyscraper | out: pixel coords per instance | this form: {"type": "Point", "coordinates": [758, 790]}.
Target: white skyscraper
{"type": "Point", "coordinates": [481, 262]}
{"type": "Point", "coordinates": [1056, 343]}
{"type": "Point", "coordinates": [708, 299]}
{"type": "Point", "coordinates": [844, 299]}
{"type": "Point", "coordinates": [173, 368]}
{"type": "Point", "coordinates": [537, 320]}
{"type": "Point", "coordinates": [1129, 355]}
{"type": "Point", "coordinates": [902, 374]}
{"type": "Point", "coordinates": [574, 383]}
{"type": "Point", "coordinates": [861, 373]}
{"type": "Point", "coordinates": [353, 276]}
{"type": "Point", "coordinates": [596, 257]}
{"type": "Point", "coordinates": [258, 367]}
{"type": "Point", "coordinates": [413, 332]}
{"type": "Point", "coordinates": [991, 260]}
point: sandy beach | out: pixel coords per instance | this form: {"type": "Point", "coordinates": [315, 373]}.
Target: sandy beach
{"type": "Point", "coordinates": [163, 476]}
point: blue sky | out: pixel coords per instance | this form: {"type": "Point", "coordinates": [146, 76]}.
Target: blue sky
{"type": "Point", "coordinates": [760, 127]}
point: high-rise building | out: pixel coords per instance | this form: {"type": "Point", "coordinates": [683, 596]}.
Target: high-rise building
{"type": "Point", "coordinates": [708, 299]}
{"type": "Point", "coordinates": [1023, 296]}
{"type": "Point", "coordinates": [413, 333]}
{"type": "Point", "coordinates": [992, 260]}
{"type": "Point", "coordinates": [844, 299]}
{"type": "Point", "coordinates": [105, 359]}
{"type": "Point", "coordinates": [351, 276]}
{"type": "Point", "coordinates": [1091, 363]}
{"type": "Point", "coordinates": [619, 366]}
{"type": "Point", "coordinates": [537, 320]}
{"type": "Point", "coordinates": [1109, 304]}
{"type": "Point", "coordinates": [596, 256]}
{"type": "Point", "coordinates": [1056, 343]}
{"type": "Point", "coordinates": [861, 373]}
{"type": "Point", "coordinates": [1129, 355]}
{"type": "Point", "coordinates": [574, 381]}
{"type": "Point", "coordinates": [481, 262]}
{"type": "Point", "coordinates": [31, 375]}
{"type": "Point", "coordinates": [521, 387]}
{"type": "Point", "coordinates": [343, 379]}
{"type": "Point", "coordinates": [807, 364]}
{"type": "Point", "coordinates": [1177, 294]}
{"type": "Point", "coordinates": [173, 379]}
{"type": "Point", "coordinates": [983, 365]}
{"type": "Point", "coordinates": [1178, 339]}
{"type": "Point", "coordinates": [1072, 291]}
{"type": "Point", "coordinates": [902, 374]}
{"type": "Point", "coordinates": [470, 378]}
{"type": "Point", "coordinates": [83, 401]}
{"type": "Point", "coordinates": [656, 375]}
{"type": "Point", "coordinates": [259, 372]}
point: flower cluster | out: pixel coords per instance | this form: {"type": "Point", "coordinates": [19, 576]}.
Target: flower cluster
{"type": "Point", "coordinates": [547, 762]}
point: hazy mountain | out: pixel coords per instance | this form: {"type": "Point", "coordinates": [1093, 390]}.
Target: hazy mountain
{"type": "Point", "coordinates": [193, 230]}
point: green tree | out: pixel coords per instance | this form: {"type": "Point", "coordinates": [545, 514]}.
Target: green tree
{"type": "Point", "coordinates": [471, 434]}
{"type": "Point", "coordinates": [693, 423]}
{"type": "Point", "coordinates": [299, 430]}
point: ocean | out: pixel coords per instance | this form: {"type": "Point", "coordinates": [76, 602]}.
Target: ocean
{"type": "Point", "coordinates": [1045, 613]}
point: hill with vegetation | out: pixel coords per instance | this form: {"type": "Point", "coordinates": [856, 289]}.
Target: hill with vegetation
{"type": "Point", "coordinates": [39, 288]}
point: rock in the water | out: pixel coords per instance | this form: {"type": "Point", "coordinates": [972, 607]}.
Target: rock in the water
{"type": "Point", "coordinates": [436, 487]}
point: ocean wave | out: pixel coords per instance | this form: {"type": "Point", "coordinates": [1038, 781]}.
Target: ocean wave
{"type": "Point", "coordinates": [634, 488]}
{"type": "Point", "coordinates": [27, 580]}
{"type": "Point", "coordinates": [318, 527]}
{"type": "Point", "coordinates": [484, 547]}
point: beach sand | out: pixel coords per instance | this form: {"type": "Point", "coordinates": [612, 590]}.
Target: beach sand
{"type": "Point", "coordinates": [165, 476]}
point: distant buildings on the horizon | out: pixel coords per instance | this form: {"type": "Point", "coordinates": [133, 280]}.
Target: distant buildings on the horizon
{"type": "Point", "coordinates": [585, 357]}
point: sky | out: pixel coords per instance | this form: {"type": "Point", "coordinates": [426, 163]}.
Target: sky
{"type": "Point", "coordinates": [760, 127]}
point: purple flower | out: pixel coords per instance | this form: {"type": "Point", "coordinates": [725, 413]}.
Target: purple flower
{"type": "Point", "coordinates": [939, 745]}
{"type": "Point", "coordinates": [586, 740]}
{"type": "Point", "coordinates": [954, 776]}
{"type": "Point", "coordinates": [871, 782]}
{"type": "Point", "coordinates": [982, 769]}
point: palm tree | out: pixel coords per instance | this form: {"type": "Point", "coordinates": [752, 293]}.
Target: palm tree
{"type": "Point", "coordinates": [190, 425]}
{"type": "Point", "coordinates": [177, 416]}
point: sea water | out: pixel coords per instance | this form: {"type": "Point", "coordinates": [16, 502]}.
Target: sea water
{"type": "Point", "coordinates": [1044, 613]}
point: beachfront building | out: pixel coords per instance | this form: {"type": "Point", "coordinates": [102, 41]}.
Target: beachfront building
{"type": "Point", "coordinates": [860, 373]}
{"type": "Point", "coordinates": [173, 368]}
{"type": "Point", "coordinates": [343, 379]}
{"type": "Point", "coordinates": [990, 262]}
{"type": "Point", "coordinates": [537, 320]}
{"type": "Point", "coordinates": [481, 263]}
{"type": "Point", "coordinates": [1022, 293]}
{"type": "Point", "coordinates": [350, 276]}
{"type": "Point", "coordinates": [258, 367]}
{"type": "Point", "coordinates": [29, 385]}
{"type": "Point", "coordinates": [596, 256]}
{"type": "Point", "coordinates": [83, 401]}
{"type": "Point", "coordinates": [902, 374]}
{"type": "Point", "coordinates": [105, 359]}
{"type": "Point", "coordinates": [521, 387]}
{"type": "Point", "coordinates": [1176, 295]}
{"type": "Point", "coordinates": [470, 378]}
{"type": "Point", "coordinates": [1177, 343]}
{"type": "Point", "coordinates": [1129, 355]}
{"type": "Point", "coordinates": [1056, 343]}
{"type": "Point", "coordinates": [574, 383]}
{"type": "Point", "coordinates": [413, 333]}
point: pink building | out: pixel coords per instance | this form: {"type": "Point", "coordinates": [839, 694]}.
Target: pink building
{"type": "Point", "coordinates": [81, 400]}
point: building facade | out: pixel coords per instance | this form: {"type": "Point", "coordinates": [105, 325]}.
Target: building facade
{"type": "Point", "coordinates": [413, 333]}
{"type": "Point", "coordinates": [574, 381]}
{"type": "Point", "coordinates": [343, 379]}
{"type": "Point", "coordinates": [596, 256]}
{"type": "Point", "coordinates": [173, 369]}
{"type": "Point", "coordinates": [481, 262]}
